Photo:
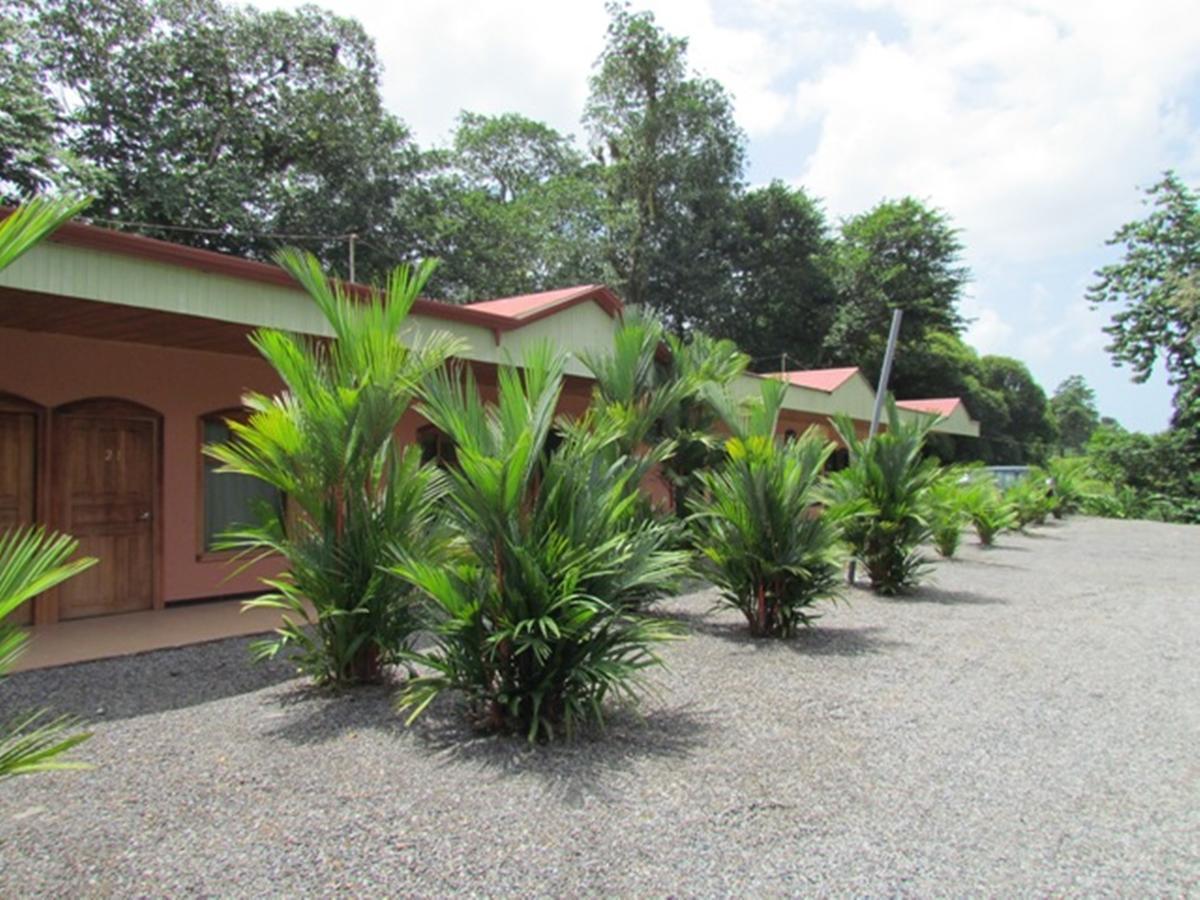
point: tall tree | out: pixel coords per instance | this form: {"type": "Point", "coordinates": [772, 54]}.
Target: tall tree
{"type": "Point", "coordinates": [899, 255]}
{"type": "Point", "coordinates": [216, 117]}
{"type": "Point", "coordinates": [1073, 408]}
{"type": "Point", "coordinates": [782, 299]}
{"type": "Point", "coordinates": [1157, 286]}
{"type": "Point", "coordinates": [673, 159]}
{"type": "Point", "coordinates": [511, 207]}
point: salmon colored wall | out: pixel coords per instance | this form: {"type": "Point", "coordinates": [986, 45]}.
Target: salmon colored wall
{"type": "Point", "coordinates": [181, 385]}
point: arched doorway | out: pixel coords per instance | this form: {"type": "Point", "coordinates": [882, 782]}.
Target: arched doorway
{"type": "Point", "coordinates": [107, 460]}
{"type": "Point", "coordinates": [20, 428]}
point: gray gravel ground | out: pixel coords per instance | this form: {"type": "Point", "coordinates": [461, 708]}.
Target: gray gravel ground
{"type": "Point", "coordinates": [1027, 725]}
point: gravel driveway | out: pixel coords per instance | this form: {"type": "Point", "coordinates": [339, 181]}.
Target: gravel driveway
{"type": "Point", "coordinates": [1028, 724]}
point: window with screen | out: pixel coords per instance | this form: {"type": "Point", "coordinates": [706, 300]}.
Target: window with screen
{"type": "Point", "coordinates": [229, 499]}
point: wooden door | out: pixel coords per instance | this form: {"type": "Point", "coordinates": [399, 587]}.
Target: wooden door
{"type": "Point", "coordinates": [18, 449]}
{"type": "Point", "coordinates": [107, 468]}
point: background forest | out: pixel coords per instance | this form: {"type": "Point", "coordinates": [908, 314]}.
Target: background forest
{"type": "Point", "coordinates": [242, 131]}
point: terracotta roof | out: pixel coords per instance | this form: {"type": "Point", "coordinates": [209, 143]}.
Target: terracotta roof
{"type": "Point", "coordinates": [503, 314]}
{"type": "Point", "coordinates": [827, 380]}
{"type": "Point", "coordinates": [940, 406]}
{"type": "Point", "coordinates": [527, 307]}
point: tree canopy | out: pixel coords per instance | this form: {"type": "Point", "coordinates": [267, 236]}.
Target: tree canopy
{"type": "Point", "coordinates": [229, 128]}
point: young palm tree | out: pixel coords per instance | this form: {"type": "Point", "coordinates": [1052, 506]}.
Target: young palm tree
{"type": "Point", "coordinates": [31, 559]}
{"type": "Point", "coordinates": [762, 543]}
{"type": "Point", "coordinates": [534, 622]}
{"type": "Point", "coordinates": [33, 221]}
{"type": "Point", "coordinates": [667, 397]}
{"type": "Point", "coordinates": [947, 513]}
{"type": "Point", "coordinates": [882, 499]}
{"type": "Point", "coordinates": [989, 512]}
{"type": "Point", "coordinates": [327, 444]}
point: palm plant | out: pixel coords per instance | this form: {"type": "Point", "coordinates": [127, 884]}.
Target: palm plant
{"type": "Point", "coordinates": [33, 560]}
{"type": "Point", "coordinates": [1075, 484]}
{"type": "Point", "coordinates": [881, 499]}
{"type": "Point", "coordinates": [33, 221]}
{"type": "Point", "coordinates": [989, 512]}
{"type": "Point", "coordinates": [947, 514]}
{"type": "Point", "coordinates": [666, 397]}
{"type": "Point", "coordinates": [1031, 498]}
{"type": "Point", "coordinates": [534, 622]}
{"type": "Point", "coordinates": [762, 543]}
{"type": "Point", "coordinates": [327, 444]}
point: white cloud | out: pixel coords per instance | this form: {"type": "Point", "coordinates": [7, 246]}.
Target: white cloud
{"type": "Point", "coordinates": [1030, 127]}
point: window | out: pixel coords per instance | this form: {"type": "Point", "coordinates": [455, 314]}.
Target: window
{"type": "Point", "coordinates": [229, 499]}
{"type": "Point", "coordinates": [436, 446]}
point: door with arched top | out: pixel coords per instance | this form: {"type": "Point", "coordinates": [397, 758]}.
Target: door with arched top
{"type": "Point", "coordinates": [18, 474]}
{"type": "Point", "coordinates": [106, 460]}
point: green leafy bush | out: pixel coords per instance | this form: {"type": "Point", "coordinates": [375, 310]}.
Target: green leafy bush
{"type": "Point", "coordinates": [881, 499]}
{"type": "Point", "coordinates": [947, 513]}
{"type": "Point", "coordinates": [1074, 483]}
{"type": "Point", "coordinates": [762, 540]}
{"type": "Point", "coordinates": [989, 512]}
{"type": "Point", "coordinates": [534, 622]}
{"type": "Point", "coordinates": [1031, 499]}
{"type": "Point", "coordinates": [32, 561]}
{"type": "Point", "coordinates": [327, 444]}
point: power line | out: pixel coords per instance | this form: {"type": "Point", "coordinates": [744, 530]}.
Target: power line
{"type": "Point", "coordinates": [226, 232]}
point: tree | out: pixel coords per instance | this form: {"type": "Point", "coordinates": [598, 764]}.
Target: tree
{"type": "Point", "coordinates": [233, 121]}
{"type": "Point", "coordinates": [1157, 286]}
{"type": "Point", "coordinates": [512, 207]}
{"type": "Point", "coordinates": [1073, 408]}
{"type": "Point", "coordinates": [535, 621]}
{"type": "Point", "coordinates": [782, 299]}
{"type": "Point", "coordinates": [32, 158]}
{"type": "Point", "coordinates": [1029, 432]}
{"type": "Point", "coordinates": [898, 255]}
{"type": "Point", "coordinates": [673, 160]}
{"type": "Point", "coordinates": [33, 560]}
{"type": "Point", "coordinates": [354, 496]}
{"type": "Point", "coordinates": [759, 542]}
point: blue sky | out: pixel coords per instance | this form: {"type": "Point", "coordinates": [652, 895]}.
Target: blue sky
{"type": "Point", "coordinates": [1033, 124]}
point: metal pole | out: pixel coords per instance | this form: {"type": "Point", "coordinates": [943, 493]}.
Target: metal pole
{"type": "Point", "coordinates": [353, 237]}
{"type": "Point", "coordinates": [885, 374]}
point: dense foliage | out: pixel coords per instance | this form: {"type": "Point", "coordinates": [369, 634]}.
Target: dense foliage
{"type": "Point", "coordinates": [353, 494]}
{"type": "Point", "coordinates": [882, 500]}
{"type": "Point", "coordinates": [535, 623]}
{"type": "Point", "coordinates": [33, 560]}
{"type": "Point", "coordinates": [757, 525]}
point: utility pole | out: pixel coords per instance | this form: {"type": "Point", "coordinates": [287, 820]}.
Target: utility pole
{"type": "Point", "coordinates": [353, 237]}
{"type": "Point", "coordinates": [885, 376]}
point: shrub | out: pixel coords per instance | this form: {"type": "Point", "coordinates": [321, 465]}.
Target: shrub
{"type": "Point", "coordinates": [989, 512]}
{"type": "Point", "coordinates": [666, 400]}
{"type": "Point", "coordinates": [327, 444]}
{"type": "Point", "coordinates": [1074, 484]}
{"type": "Point", "coordinates": [947, 515]}
{"type": "Point", "coordinates": [881, 499]}
{"type": "Point", "coordinates": [534, 622]}
{"type": "Point", "coordinates": [1031, 499]}
{"type": "Point", "coordinates": [33, 561]}
{"type": "Point", "coordinates": [761, 540]}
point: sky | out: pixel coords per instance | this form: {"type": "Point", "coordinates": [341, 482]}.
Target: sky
{"type": "Point", "coordinates": [1034, 125]}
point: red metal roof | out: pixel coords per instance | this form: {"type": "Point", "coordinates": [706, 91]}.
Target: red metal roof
{"type": "Point", "coordinates": [827, 380]}
{"type": "Point", "coordinates": [527, 306]}
{"type": "Point", "coordinates": [940, 406]}
{"type": "Point", "coordinates": [503, 314]}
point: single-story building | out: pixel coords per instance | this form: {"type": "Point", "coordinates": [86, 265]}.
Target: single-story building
{"type": "Point", "coordinates": [121, 356]}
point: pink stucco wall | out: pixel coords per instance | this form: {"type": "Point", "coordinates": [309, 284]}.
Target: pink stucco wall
{"type": "Point", "coordinates": [181, 385]}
